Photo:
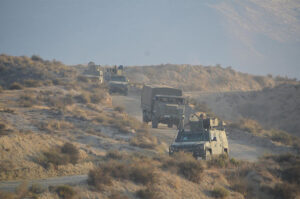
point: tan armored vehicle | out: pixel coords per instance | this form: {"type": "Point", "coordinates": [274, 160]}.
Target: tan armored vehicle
{"type": "Point", "coordinates": [163, 105]}
{"type": "Point", "coordinates": [205, 137]}
{"type": "Point", "coordinates": [117, 82]}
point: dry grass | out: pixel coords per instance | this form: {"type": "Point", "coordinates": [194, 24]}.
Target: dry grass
{"type": "Point", "coordinates": [220, 192]}
{"type": "Point", "coordinates": [148, 193]}
{"type": "Point", "coordinates": [255, 128]}
{"type": "Point", "coordinates": [66, 154]}
{"type": "Point", "coordinates": [186, 165]}
{"type": "Point", "coordinates": [16, 86]}
{"type": "Point", "coordinates": [64, 191]}
{"type": "Point", "coordinates": [144, 140]}
{"type": "Point", "coordinates": [141, 172]}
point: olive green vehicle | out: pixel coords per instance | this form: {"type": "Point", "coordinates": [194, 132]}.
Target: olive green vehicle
{"type": "Point", "coordinates": [118, 84]}
{"type": "Point", "coordinates": [163, 105]}
{"type": "Point", "coordinates": [205, 138]}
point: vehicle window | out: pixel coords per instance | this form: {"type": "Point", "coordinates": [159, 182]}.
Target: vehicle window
{"type": "Point", "coordinates": [192, 137]}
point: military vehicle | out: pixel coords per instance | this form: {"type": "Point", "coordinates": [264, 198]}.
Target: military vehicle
{"type": "Point", "coordinates": [117, 82]}
{"type": "Point", "coordinates": [163, 105]}
{"type": "Point", "coordinates": [205, 138]}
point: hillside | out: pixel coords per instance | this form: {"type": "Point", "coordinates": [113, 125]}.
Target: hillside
{"type": "Point", "coordinates": [30, 71]}
{"type": "Point", "coordinates": [277, 108]}
{"type": "Point", "coordinates": [200, 78]}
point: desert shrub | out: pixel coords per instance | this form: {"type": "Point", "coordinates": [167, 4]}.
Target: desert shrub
{"type": "Point", "coordinates": [136, 171]}
{"type": "Point", "coordinates": [240, 185]}
{"type": "Point", "coordinates": [219, 192]}
{"type": "Point", "coordinates": [22, 190]}
{"type": "Point", "coordinates": [7, 195]}
{"type": "Point", "coordinates": [65, 191]}
{"type": "Point", "coordinates": [2, 128]}
{"type": "Point", "coordinates": [144, 140]}
{"type": "Point", "coordinates": [143, 173]}
{"type": "Point", "coordinates": [99, 178]}
{"type": "Point", "coordinates": [191, 170]}
{"type": "Point", "coordinates": [32, 83]}
{"type": "Point", "coordinates": [292, 174]}
{"type": "Point", "coordinates": [248, 125]}
{"type": "Point", "coordinates": [97, 97]}
{"type": "Point", "coordinates": [54, 157]}
{"type": "Point", "coordinates": [148, 193]}
{"type": "Point", "coordinates": [68, 99]}
{"type": "Point", "coordinates": [15, 86]}
{"type": "Point", "coordinates": [286, 191]}
{"type": "Point", "coordinates": [83, 98]}
{"type": "Point", "coordinates": [27, 100]}
{"type": "Point", "coordinates": [120, 109]}
{"type": "Point", "coordinates": [118, 195]}
{"type": "Point", "coordinates": [7, 110]}
{"type": "Point", "coordinates": [184, 165]}
{"type": "Point", "coordinates": [281, 136]}
{"type": "Point", "coordinates": [71, 151]}
{"type": "Point", "coordinates": [6, 165]}
{"type": "Point", "coordinates": [219, 161]}
{"type": "Point", "coordinates": [37, 189]}
{"type": "Point", "coordinates": [114, 155]}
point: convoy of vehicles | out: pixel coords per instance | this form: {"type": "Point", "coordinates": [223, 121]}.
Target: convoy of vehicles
{"type": "Point", "coordinates": [203, 136]}
{"type": "Point", "coordinates": [163, 105]}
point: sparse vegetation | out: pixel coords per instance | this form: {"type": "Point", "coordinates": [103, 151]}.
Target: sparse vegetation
{"type": "Point", "coordinates": [15, 86]}
{"type": "Point", "coordinates": [219, 192]}
{"type": "Point", "coordinates": [148, 193]}
{"type": "Point", "coordinates": [64, 191]}
{"type": "Point", "coordinates": [144, 140]}
{"type": "Point", "coordinates": [136, 171]}
{"type": "Point", "coordinates": [252, 126]}
{"type": "Point", "coordinates": [68, 153]}
{"type": "Point", "coordinates": [185, 165]}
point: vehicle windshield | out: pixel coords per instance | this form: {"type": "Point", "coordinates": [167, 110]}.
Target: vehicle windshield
{"type": "Point", "coordinates": [170, 100]}
{"type": "Point", "coordinates": [192, 137]}
{"type": "Point", "coordinates": [118, 78]}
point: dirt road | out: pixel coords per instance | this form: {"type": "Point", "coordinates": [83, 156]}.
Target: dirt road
{"type": "Point", "coordinates": [243, 146]}
{"type": "Point", "coordinates": [71, 180]}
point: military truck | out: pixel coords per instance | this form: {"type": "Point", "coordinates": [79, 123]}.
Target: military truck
{"type": "Point", "coordinates": [205, 138]}
{"type": "Point", "coordinates": [163, 105]}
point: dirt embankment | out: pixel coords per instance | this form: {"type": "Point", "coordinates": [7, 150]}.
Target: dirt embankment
{"type": "Point", "coordinates": [200, 78]}
{"type": "Point", "coordinates": [274, 108]}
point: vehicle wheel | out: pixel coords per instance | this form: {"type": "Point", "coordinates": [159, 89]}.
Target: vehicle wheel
{"type": "Point", "coordinates": [170, 125]}
{"type": "Point", "coordinates": [154, 124]}
{"type": "Point", "coordinates": [145, 118]}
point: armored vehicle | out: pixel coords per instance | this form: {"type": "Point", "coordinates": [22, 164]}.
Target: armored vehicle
{"type": "Point", "coordinates": [118, 84]}
{"type": "Point", "coordinates": [205, 138]}
{"type": "Point", "coordinates": [163, 105]}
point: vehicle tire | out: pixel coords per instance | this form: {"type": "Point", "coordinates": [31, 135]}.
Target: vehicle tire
{"type": "Point", "coordinates": [145, 118]}
{"type": "Point", "coordinates": [170, 125]}
{"type": "Point", "coordinates": [154, 123]}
